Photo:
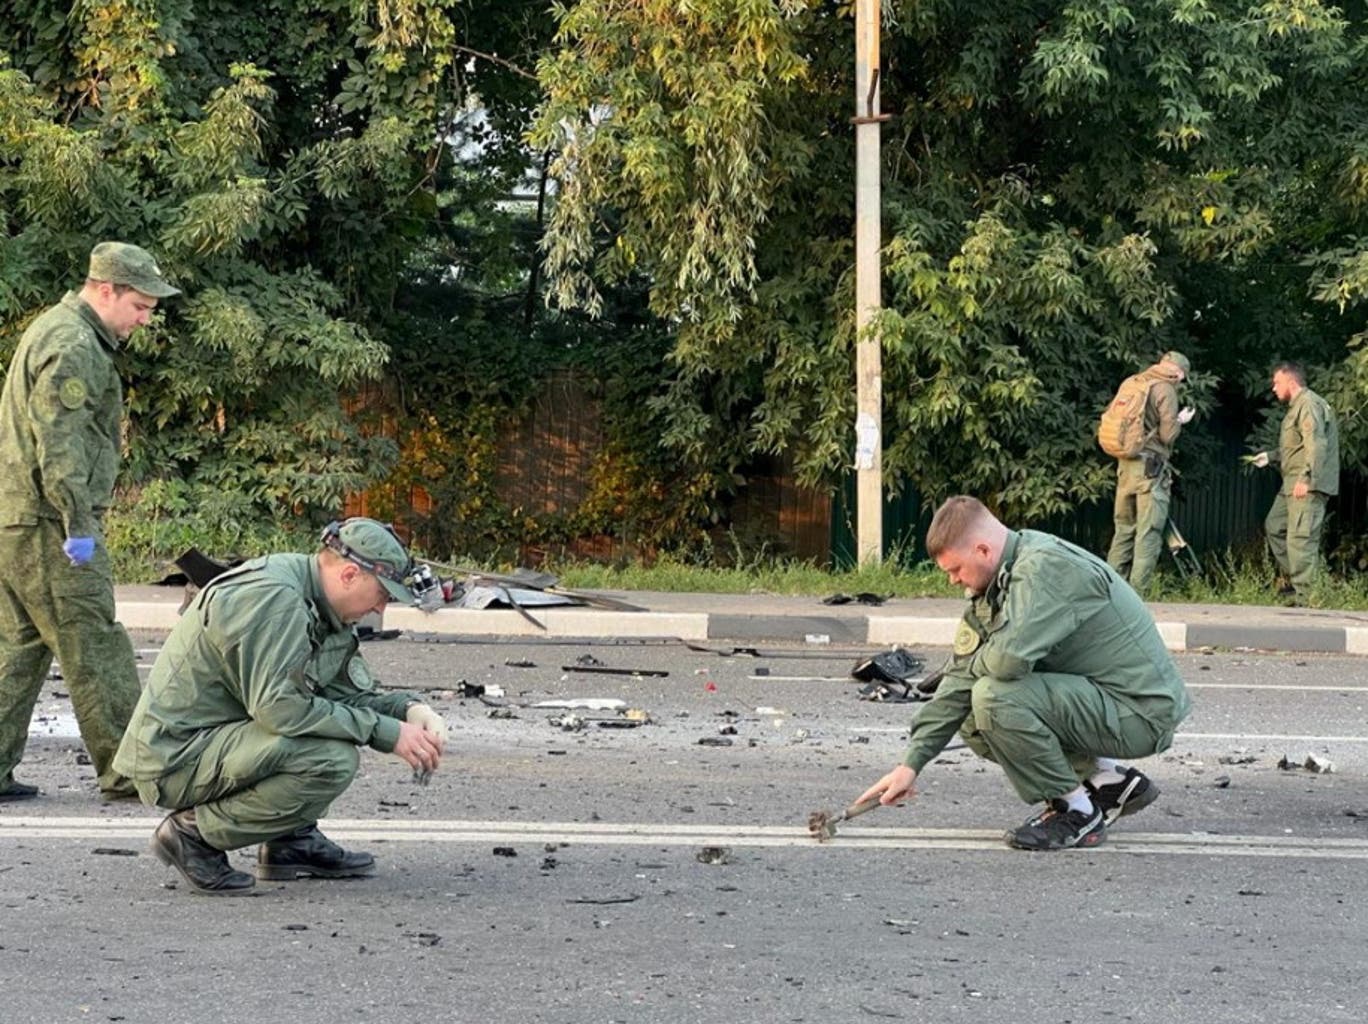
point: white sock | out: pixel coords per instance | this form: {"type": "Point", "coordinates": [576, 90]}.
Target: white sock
{"type": "Point", "coordinates": [1108, 772]}
{"type": "Point", "coordinates": [1078, 800]}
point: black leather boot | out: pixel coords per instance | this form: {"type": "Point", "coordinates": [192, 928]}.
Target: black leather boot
{"type": "Point", "coordinates": [11, 789]}
{"type": "Point", "coordinates": [307, 852]}
{"type": "Point", "coordinates": [177, 843]}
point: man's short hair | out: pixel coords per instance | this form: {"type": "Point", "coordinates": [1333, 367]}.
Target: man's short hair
{"type": "Point", "coordinates": [953, 522]}
{"type": "Point", "coordinates": [1292, 369]}
{"type": "Point", "coordinates": [119, 289]}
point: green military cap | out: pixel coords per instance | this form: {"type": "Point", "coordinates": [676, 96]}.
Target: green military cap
{"type": "Point", "coordinates": [1179, 360]}
{"type": "Point", "coordinates": [377, 549]}
{"type": "Point", "coordinates": [121, 263]}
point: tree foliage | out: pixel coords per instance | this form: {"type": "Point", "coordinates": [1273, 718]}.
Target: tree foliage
{"type": "Point", "coordinates": [1070, 189]}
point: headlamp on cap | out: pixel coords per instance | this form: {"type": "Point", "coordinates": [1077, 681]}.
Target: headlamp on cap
{"type": "Point", "coordinates": [423, 588]}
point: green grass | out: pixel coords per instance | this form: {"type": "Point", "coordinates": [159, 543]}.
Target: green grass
{"type": "Point", "coordinates": [767, 577]}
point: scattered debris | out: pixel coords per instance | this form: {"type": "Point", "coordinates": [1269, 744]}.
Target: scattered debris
{"type": "Point", "coordinates": [726, 730]}
{"type": "Point", "coordinates": [761, 670]}
{"type": "Point", "coordinates": [367, 633]}
{"type": "Point", "coordinates": [765, 709]}
{"type": "Point", "coordinates": [295, 927]}
{"type": "Point", "coordinates": [465, 689]}
{"type": "Point", "coordinates": [584, 704]}
{"type": "Point", "coordinates": [1238, 759]}
{"type": "Point", "coordinates": [519, 663]}
{"type": "Point", "coordinates": [114, 851]}
{"type": "Point", "coordinates": [1311, 763]}
{"type": "Point", "coordinates": [587, 660]}
{"type": "Point", "coordinates": [610, 671]}
{"type": "Point", "coordinates": [548, 863]}
{"type": "Point", "coordinates": [502, 713]}
{"type": "Point", "coordinates": [621, 723]}
{"type": "Point", "coordinates": [605, 900]}
{"type": "Point", "coordinates": [713, 855]}
{"type": "Point", "coordinates": [822, 824]}
{"type": "Point", "coordinates": [818, 638]}
{"type": "Point", "coordinates": [568, 723]}
{"type": "Point", "coordinates": [864, 597]}
{"type": "Point", "coordinates": [1221, 782]}
{"type": "Point", "coordinates": [637, 715]}
{"type": "Point", "coordinates": [424, 938]}
{"type": "Point", "coordinates": [715, 741]}
{"type": "Point", "coordinates": [800, 735]}
{"type": "Point", "coordinates": [505, 851]}
{"type": "Point", "coordinates": [709, 687]}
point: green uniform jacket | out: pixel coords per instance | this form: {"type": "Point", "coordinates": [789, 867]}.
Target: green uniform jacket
{"type": "Point", "coordinates": [261, 642]}
{"type": "Point", "coordinates": [1053, 607]}
{"type": "Point", "coordinates": [59, 421]}
{"type": "Point", "coordinates": [1308, 444]}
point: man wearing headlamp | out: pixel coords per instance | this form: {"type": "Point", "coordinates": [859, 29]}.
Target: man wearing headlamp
{"type": "Point", "coordinates": [251, 720]}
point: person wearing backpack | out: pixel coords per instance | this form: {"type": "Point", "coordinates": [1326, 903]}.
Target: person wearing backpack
{"type": "Point", "coordinates": [1138, 429]}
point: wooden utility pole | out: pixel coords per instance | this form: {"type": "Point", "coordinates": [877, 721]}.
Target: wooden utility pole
{"type": "Point", "coordinates": [868, 355]}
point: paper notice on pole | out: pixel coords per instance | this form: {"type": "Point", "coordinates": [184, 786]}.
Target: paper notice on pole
{"type": "Point", "coordinates": [866, 441]}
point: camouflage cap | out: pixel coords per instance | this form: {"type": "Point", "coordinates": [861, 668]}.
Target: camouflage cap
{"type": "Point", "coordinates": [1179, 360]}
{"type": "Point", "coordinates": [377, 549]}
{"type": "Point", "coordinates": [121, 263]}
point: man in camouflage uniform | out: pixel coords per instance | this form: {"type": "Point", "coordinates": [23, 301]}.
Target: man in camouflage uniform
{"type": "Point", "coordinates": [1058, 670]}
{"type": "Point", "coordinates": [251, 719]}
{"type": "Point", "coordinates": [1308, 454]}
{"type": "Point", "coordinates": [59, 455]}
{"type": "Point", "coordinates": [1144, 484]}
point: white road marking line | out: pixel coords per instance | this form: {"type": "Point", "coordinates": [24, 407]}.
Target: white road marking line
{"type": "Point", "coordinates": [666, 834]}
{"type": "Point", "coordinates": [1253, 737]}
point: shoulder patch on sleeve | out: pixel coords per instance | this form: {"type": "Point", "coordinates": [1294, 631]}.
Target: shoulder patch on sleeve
{"type": "Point", "coordinates": [73, 393]}
{"type": "Point", "coordinates": [967, 639]}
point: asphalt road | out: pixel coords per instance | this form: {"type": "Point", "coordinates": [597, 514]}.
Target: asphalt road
{"type": "Point", "coordinates": [655, 878]}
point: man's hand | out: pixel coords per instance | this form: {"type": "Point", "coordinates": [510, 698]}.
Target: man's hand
{"type": "Point", "coordinates": [893, 788]}
{"type": "Point", "coordinates": [79, 550]}
{"type": "Point", "coordinates": [421, 749]}
{"type": "Point", "coordinates": [430, 722]}
{"type": "Point", "coordinates": [1301, 489]}
{"type": "Point", "coordinates": [1185, 415]}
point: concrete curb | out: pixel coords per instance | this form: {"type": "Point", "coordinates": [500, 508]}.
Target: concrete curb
{"type": "Point", "coordinates": [878, 630]}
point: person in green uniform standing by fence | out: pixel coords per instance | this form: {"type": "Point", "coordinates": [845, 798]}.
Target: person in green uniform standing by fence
{"type": "Point", "coordinates": [251, 720]}
{"type": "Point", "coordinates": [1308, 455]}
{"type": "Point", "coordinates": [60, 414]}
{"type": "Point", "coordinates": [1058, 674]}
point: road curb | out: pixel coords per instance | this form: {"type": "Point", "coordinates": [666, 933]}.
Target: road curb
{"type": "Point", "coordinates": [873, 630]}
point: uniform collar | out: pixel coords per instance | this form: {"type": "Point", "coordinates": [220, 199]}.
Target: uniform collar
{"type": "Point", "coordinates": [1004, 569]}
{"type": "Point", "coordinates": [320, 599]}
{"type": "Point", "coordinates": [83, 309]}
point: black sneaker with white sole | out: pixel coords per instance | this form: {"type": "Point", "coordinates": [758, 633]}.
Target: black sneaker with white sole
{"type": "Point", "coordinates": [1059, 828]}
{"type": "Point", "coordinates": [1133, 793]}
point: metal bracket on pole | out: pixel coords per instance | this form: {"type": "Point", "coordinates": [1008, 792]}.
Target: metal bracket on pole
{"type": "Point", "coordinates": [869, 117]}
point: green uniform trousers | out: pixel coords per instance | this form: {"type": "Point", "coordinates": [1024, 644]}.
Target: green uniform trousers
{"type": "Point", "coordinates": [49, 606]}
{"type": "Point", "coordinates": [1139, 516]}
{"type": "Point", "coordinates": [1294, 528]}
{"type": "Point", "coordinates": [250, 785]}
{"type": "Point", "coordinates": [1047, 730]}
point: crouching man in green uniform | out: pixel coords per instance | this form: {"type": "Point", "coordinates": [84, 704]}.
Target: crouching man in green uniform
{"type": "Point", "coordinates": [1058, 672]}
{"type": "Point", "coordinates": [251, 720]}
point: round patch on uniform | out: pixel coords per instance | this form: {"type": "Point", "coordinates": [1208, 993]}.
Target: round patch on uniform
{"type": "Point", "coordinates": [966, 639]}
{"type": "Point", "coordinates": [73, 392]}
{"type": "Point", "coordinates": [359, 673]}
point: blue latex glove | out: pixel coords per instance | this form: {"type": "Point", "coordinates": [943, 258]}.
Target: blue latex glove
{"type": "Point", "coordinates": [79, 549]}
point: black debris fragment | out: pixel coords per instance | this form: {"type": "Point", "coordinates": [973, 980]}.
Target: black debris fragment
{"type": "Point", "coordinates": [519, 663]}
{"type": "Point", "coordinates": [114, 851]}
{"type": "Point", "coordinates": [505, 851]}
{"type": "Point", "coordinates": [713, 855]}
{"type": "Point", "coordinates": [714, 741]}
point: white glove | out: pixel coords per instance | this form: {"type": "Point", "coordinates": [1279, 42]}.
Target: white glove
{"type": "Point", "coordinates": [1185, 415]}
{"type": "Point", "coordinates": [1260, 460]}
{"type": "Point", "coordinates": [423, 716]}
